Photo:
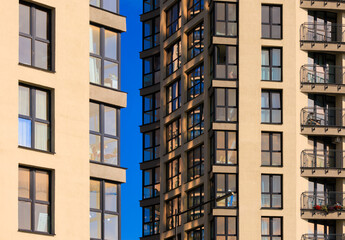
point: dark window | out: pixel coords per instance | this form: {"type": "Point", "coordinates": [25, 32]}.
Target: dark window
{"type": "Point", "coordinates": [151, 220]}
{"type": "Point", "coordinates": [271, 191]}
{"type": "Point", "coordinates": [173, 174]}
{"type": "Point", "coordinates": [174, 238]}
{"type": "Point", "coordinates": [35, 40]}
{"type": "Point", "coordinates": [173, 135]}
{"type": "Point", "coordinates": [104, 210]}
{"type": "Point", "coordinates": [224, 105]}
{"type": "Point", "coordinates": [109, 5]}
{"type": "Point", "coordinates": [271, 149]}
{"type": "Point", "coordinates": [226, 228]}
{"type": "Point", "coordinates": [194, 8]}
{"type": "Point", "coordinates": [151, 33]}
{"type": "Point", "coordinates": [196, 41]}
{"type": "Point", "coordinates": [224, 148]}
{"type": "Point", "coordinates": [173, 212]}
{"type": "Point", "coordinates": [195, 197]}
{"type": "Point", "coordinates": [104, 57]}
{"type": "Point", "coordinates": [196, 234]}
{"type": "Point", "coordinates": [104, 137]}
{"type": "Point", "coordinates": [195, 82]}
{"type": "Point", "coordinates": [195, 163]}
{"type": "Point", "coordinates": [173, 18]}
{"type": "Point", "coordinates": [226, 62]}
{"type": "Point", "coordinates": [225, 19]}
{"type": "Point", "coordinates": [271, 106]}
{"type": "Point", "coordinates": [271, 21]}
{"type": "Point", "coordinates": [151, 145]}
{"type": "Point", "coordinates": [151, 70]}
{"type": "Point", "coordinates": [271, 64]}
{"type": "Point", "coordinates": [271, 228]}
{"type": "Point", "coordinates": [224, 183]}
{"type": "Point", "coordinates": [151, 108]}
{"type": "Point", "coordinates": [34, 130]}
{"type": "Point", "coordinates": [173, 96]}
{"type": "Point", "coordinates": [174, 58]}
{"type": "Point", "coordinates": [195, 122]}
{"type": "Point", "coordinates": [34, 200]}
{"type": "Point", "coordinates": [150, 5]}
{"type": "Point", "coordinates": [151, 183]}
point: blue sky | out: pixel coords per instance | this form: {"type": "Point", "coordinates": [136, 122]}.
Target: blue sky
{"type": "Point", "coordinates": [131, 140]}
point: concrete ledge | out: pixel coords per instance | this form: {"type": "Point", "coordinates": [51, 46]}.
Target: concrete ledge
{"type": "Point", "coordinates": [326, 131]}
{"type": "Point", "coordinates": [223, 169]}
{"type": "Point", "coordinates": [333, 47]}
{"type": "Point", "coordinates": [335, 173]}
{"type": "Point", "coordinates": [323, 88]}
{"type": "Point", "coordinates": [193, 224]}
{"type": "Point", "coordinates": [224, 212]}
{"type": "Point", "coordinates": [313, 214]}
{"type": "Point", "coordinates": [115, 174]}
{"type": "Point", "coordinates": [224, 126]}
{"type": "Point", "coordinates": [224, 40]}
{"type": "Point", "coordinates": [224, 83]}
{"type": "Point", "coordinates": [108, 19]}
{"type": "Point", "coordinates": [105, 95]}
{"type": "Point", "coordinates": [309, 4]}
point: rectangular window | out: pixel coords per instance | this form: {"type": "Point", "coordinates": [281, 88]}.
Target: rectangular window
{"type": "Point", "coordinates": [173, 18]}
{"type": "Point", "coordinates": [151, 108]}
{"type": "Point", "coordinates": [271, 191]}
{"type": "Point", "coordinates": [151, 220]}
{"type": "Point", "coordinates": [104, 209]}
{"type": "Point", "coordinates": [224, 183]}
{"type": "Point", "coordinates": [151, 33]}
{"type": "Point", "coordinates": [173, 135]}
{"type": "Point", "coordinates": [194, 8]}
{"type": "Point", "coordinates": [150, 5]}
{"type": "Point", "coordinates": [195, 163]}
{"type": "Point", "coordinates": [196, 41]}
{"type": "Point", "coordinates": [196, 234]}
{"type": "Point", "coordinates": [271, 106]}
{"type": "Point", "coordinates": [195, 122]}
{"type": "Point", "coordinates": [173, 212]}
{"type": "Point", "coordinates": [195, 197]}
{"type": "Point", "coordinates": [34, 114]}
{"type": "Point", "coordinates": [271, 149]}
{"type": "Point", "coordinates": [224, 105]}
{"type": "Point", "coordinates": [174, 58]}
{"type": "Point", "coordinates": [104, 57]}
{"type": "Point", "coordinates": [195, 82]}
{"type": "Point", "coordinates": [226, 62]}
{"type": "Point", "coordinates": [173, 174]}
{"type": "Point", "coordinates": [109, 5]}
{"type": "Point", "coordinates": [152, 178]}
{"type": "Point", "coordinates": [224, 148]}
{"type": "Point", "coordinates": [271, 64]}
{"type": "Point", "coordinates": [104, 137]}
{"type": "Point", "coordinates": [271, 21]}
{"type": "Point", "coordinates": [271, 228]}
{"type": "Point", "coordinates": [151, 145]}
{"type": "Point", "coordinates": [35, 36]}
{"type": "Point", "coordinates": [34, 200]}
{"type": "Point", "coordinates": [173, 92]}
{"type": "Point", "coordinates": [151, 70]}
{"type": "Point", "coordinates": [225, 19]}
{"type": "Point", "coordinates": [226, 228]}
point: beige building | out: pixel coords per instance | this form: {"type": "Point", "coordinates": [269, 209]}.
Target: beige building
{"type": "Point", "coordinates": [243, 96]}
{"type": "Point", "coordinates": [61, 101]}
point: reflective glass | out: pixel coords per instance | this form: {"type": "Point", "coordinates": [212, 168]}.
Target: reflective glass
{"type": "Point", "coordinates": [24, 132]}
{"type": "Point", "coordinates": [94, 117]}
{"type": "Point", "coordinates": [24, 101]}
{"type": "Point", "coordinates": [41, 136]}
{"type": "Point", "coordinates": [95, 148]}
{"type": "Point", "coordinates": [111, 227]}
{"type": "Point", "coordinates": [95, 225]}
{"type": "Point", "coordinates": [41, 24]}
{"type": "Point", "coordinates": [24, 183]}
{"type": "Point", "coordinates": [42, 186]}
{"type": "Point", "coordinates": [95, 39]}
{"type": "Point", "coordinates": [110, 5]}
{"type": "Point", "coordinates": [42, 218]}
{"type": "Point", "coordinates": [41, 105]}
{"type": "Point", "coordinates": [24, 215]}
{"type": "Point", "coordinates": [95, 70]}
{"type": "Point", "coordinates": [41, 54]}
{"type": "Point", "coordinates": [110, 120]}
{"type": "Point", "coordinates": [110, 151]}
{"type": "Point", "coordinates": [24, 19]}
{"type": "Point", "coordinates": [111, 73]}
{"type": "Point", "coordinates": [110, 197]}
{"type": "Point", "coordinates": [95, 195]}
{"type": "Point", "coordinates": [110, 44]}
{"type": "Point", "coordinates": [265, 223]}
{"type": "Point", "coordinates": [24, 50]}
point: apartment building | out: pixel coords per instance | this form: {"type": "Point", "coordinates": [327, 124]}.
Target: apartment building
{"type": "Point", "coordinates": [61, 99]}
{"type": "Point", "coordinates": [243, 96]}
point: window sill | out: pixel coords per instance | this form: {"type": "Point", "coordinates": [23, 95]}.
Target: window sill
{"type": "Point", "coordinates": [39, 233]}
{"type": "Point", "coordinates": [36, 150]}
{"type": "Point", "coordinates": [37, 68]}
{"type": "Point", "coordinates": [266, 208]}
{"type": "Point", "coordinates": [271, 38]}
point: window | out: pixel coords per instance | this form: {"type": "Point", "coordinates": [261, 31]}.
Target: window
{"type": "Point", "coordinates": [195, 82]}
{"type": "Point", "coordinates": [173, 135]}
{"type": "Point", "coordinates": [150, 5]}
{"type": "Point", "coordinates": [173, 58]}
{"type": "Point", "coordinates": [224, 184]}
{"type": "Point", "coordinates": [173, 96]}
{"type": "Point", "coordinates": [151, 220]}
{"type": "Point", "coordinates": [271, 21]}
{"type": "Point", "coordinates": [151, 182]}
{"type": "Point", "coordinates": [195, 197]}
{"type": "Point", "coordinates": [226, 62]}
{"type": "Point", "coordinates": [271, 149]}
{"type": "Point", "coordinates": [104, 210]}
{"type": "Point", "coordinates": [224, 148]}
{"type": "Point", "coordinates": [173, 174]}
{"type": "Point", "coordinates": [151, 108]}
{"type": "Point", "coordinates": [226, 228]}
{"type": "Point", "coordinates": [195, 122]}
{"type": "Point", "coordinates": [173, 18]}
{"type": "Point", "coordinates": [271, 191]}
{"type": "Point", "coordinates": [271, 107]}
{"type": "Point", "coordinates": [34, 200]}
{"type": "Point", "coordinates": [225, 19]}
{"type": "Point", "coordinates": [271, 228]}
{"type": "Point", "coordinates": [35, 40]}
{"type": "Point", "coordinates": [109, 5]}
{"type": "Point", "coordinates": [196, 41]}
{"type": "Point", "coordinates": [104, 138]}
{"type": "Point", "coordinates": [195, 163]}
{"type": "Point", "coordinates": [151, 33]}
{"type": "Point", "coordinates": [34, 129]}
{"type": "Point", "coordinates": [104, 57]}
{"type": "Point", "coordinates": [173, 238]}
{"type": "Point", "coordinates": [173, 212]}
{"type": "Point", "coordinates": [151, 70]}
{"type": "Point", "coordinates": [151, 145]}
{"type": "Point", "coordinates": [271, 64]}
{"type": "Point", "coordinates": [194, 8]}
{"type": "Point", "coordinates": [196, 234]}
{"type": "Point", "coordinates": [224, 106]}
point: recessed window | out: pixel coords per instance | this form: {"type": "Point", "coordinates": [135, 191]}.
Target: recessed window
{"type": "Point", "coordinates": [224, 147]}
{"type": "Point", "coordinates": [195, 122]}
{"type": "Point", "coordinates": [174, 58]}
{"type": "Point", "coordinates": [225, 19]}
{"type": "Point", "coordinates": [225, 183]}
{"type": "Point", "coordinates": [151, 145]}
{"type": "Point", "coordinates": [271, 21]}
{"type": "Point", "coordinates": [104, 57]}
{"type": "Point", "coordinates": [173, 209]}
{"type": "Point", "coordinates": [34, 130]}
{"type": "Point", "coordinates": [271, 191]}
{"type": "Point", "coordinates": [195, 197]}
{"type": "Point", "coordinates": [151, 70]}
{"type": "Point", "coordinates": [196, 41]}
{"type": "Point", "coordinates": [151, 30]}
{"type": "Point", "coordinates": [271, 106]}
{"type": "Point", "coordinates": [150, 5]}
{"type": "Point", "coordinates": [224, 105]}
{"type": "Point", "coordinates": [195, 163]}
{"type": "Point", "coordinates": [194, 8]}
{"type": "Point", "coordinates": [173, 177]}
{"type": "Point", "coordinates": [271, 149]}
{"type": "Point", "coordinates": [195, 82]}
{"type": "Point", "coordinates": [35, 40]}
{"type": "Point", "coordinates": [151, 183]}
{"type": "Point", "coordinates": [173, 18]}
{"type": "Point", "coordinates": [196, 234]}
{"type": "Point", "coordinates": [173, 135]}
{"type": "Point", "coordinates": [34, 200]}
{"type": "Point", "coordinates": [173, 92]}
{"type": "Point", "coordinates": [151, 108]}
{"type": "Point", "coordinates": [104, 210]}
{"type": "Point", "coordinates": [271, 228]}
{"type": "Point", "coordinates": [226, 228]}
{"type": "Point", "coordinates": [104, 138]}
{"type": "Point", "coordinates": [151, 220]}
{"type": "Point", "coordinates": [271, 64]}
{"type": "Point", "coordinates": [109, 5]}
{"type": "Point", "coordinates": [226, 62]}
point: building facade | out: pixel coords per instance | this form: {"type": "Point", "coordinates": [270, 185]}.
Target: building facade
{"type": "Point", "coordinates": [61, 97]}
{"type": "Point", "coordinates": [243, 96]}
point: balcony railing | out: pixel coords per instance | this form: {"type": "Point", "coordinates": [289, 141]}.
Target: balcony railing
{"type": "Point", "coordinates": [323, 237]}
{"type": "Point", "coordinates": [323, 201]}
{"type": "Point", "coordinates": [322, 159]}
{"type": "Point", "coordinates": [322, 117]}
{"type": "Point", "coordinates": [322, 33]}
{"type": "Point", "coordinates": [317, 74]}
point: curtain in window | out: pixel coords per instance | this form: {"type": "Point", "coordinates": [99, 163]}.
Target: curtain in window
{"type": "Point", "coordinates": [41, 136]}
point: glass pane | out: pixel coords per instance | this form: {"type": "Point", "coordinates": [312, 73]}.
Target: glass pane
{"type": "Point", "coordinates": [24, 183]}
{"type": "Point", "coordinates": [232, 55]}
{"type": "Point", "coordinates": [220, 225]}
{"type": "Point", "coordinates": [276, 182]}
{"type": "Point", "coordinates": [41, 136]}
{"type": "Point", "coordinates": [276, 100]}
{"type": "Point", "coordinates": [220, 180]}
{"type": "Point", "coordinates": [265, 57]}
{"type": "Point", "coordinates": [265, 223]}
{"type": "Point", "coordinates": [42, 186]}
{"type": "Point", "coordinates": [24, 215]}
{"type": "Point", "coordinates": [265, 31]}
{"type": "Point", "coordinates": [231, 140]}
{"type": "Point", "coordinates": [96, 3]}
{"type": "Point", "coordinates": [110, 151]}
{"type": "Point", "coordinates": [265, 159]}
{"type": "Point", "coordinates": [41, 105]}
{"type": "Point", "coordinates": [265, 200]}
{"type": "Point", "coordinates": [95, 70]}
{"type": "Point", "coordinates": [276, 31]}
{"type": "Point", "coordinates": [220, 140]}
{"type": "Point", "coordinates": [110, 43]}
{"type": "Point", "coordinates": [276, 74]}
{"type": "Point", "coordinates": [276, 201]}
{"type": "Point", "coordinates": [220, 114]}
{"type": "Point", "coordinates": [231, 12]}
{"type": "Point", "coordinates": [232, 186]}
{"type": "Point", "coordinates": [95, 196]}
{"type": "Point", "coordinates": [264, 100]}
{"type": "Point", "coordinates": [24, 19]}
{"type": "Point", "coordinates": [24, 50]}
{"type": "Point", "coordinates": [41, 54]}
{"type": "Point", "coordinates": [265, 183]}
{"type": "Point", "coordinates": [232, 226]}
{"type": "Point", "coordinates": [221, 156]}
{"type": "Point", "coordinates": [111, 226]}
{"type": "Point", "coordinates": [110, 120]}
{"type": "Point", "coordinates": [276, 226]}
{"type": "Point", "coordinates": [24, 101]}
{"type": "Point", "coordinates": [276, 141]}
{"type": "Point", "coordinates": [276, 158]}
{"type": "Point", "coordinates": [265, 73]}
{"type": "Point", "coordinates": [276, 116]}
{"type": "Point", "coordinates": [232, 100]}
{"type": "Point", "coordinates": [265, 14]}
{"type": "Point", "coordinates": [42, 218]}
{"type": "Point", "coordinates": [220, 28]}
{"type": "Point", "coordinates": [94, 117]}
{"type": "Point", "coordinates": [95, 148]}
{"type": "Point", "coordinates": [111, 73]}
{"type": "Point", "coordinates": [41, 24]}
{"type": "Point", "coordinates": [220, 92]}
{"type": "Point", "coordinates": [111, 197]}
{"type": "Point", "coordinates": [95, 225]}
{"type": "Point", "coordinates": [265, 137]}
{"type": "Point", "coordinates": [110, 5]}
{"type": "Point", "coordinates": [220, 11]}
{"type": "Point", "coordinates": [276, 19]}
{"type": "Point", "coordinates": [24, 132]}
{"type": "Point", "coordinates": [265, 116]}
{"type": "Point", "coordinates": [276, 57]}
{"type": "Point", "coordinates": [95, 40]}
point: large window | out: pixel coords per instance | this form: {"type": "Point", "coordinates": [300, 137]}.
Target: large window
{"type": "Point", "coordinates": [150, 5]}
{"type": "Point", "coordinates": [151, 145]}
{"type": "Point", "coordinates": [196, 234]}
{"type": "Point", "coordinates": [271, 106]}
{"type": "Point", "coordinates": [151, 70]}
{"type": "Point", "coordinates": [196, 41]}
{"type": "Point", "coordinates": [194, 8]}
{"type": "Point", "coordinates": [104, 137]}
{"type": "Point", "coordinates": [224, 147]}
{"type": "Point", "coordinates": [173, 18]}
{"type": "Point", "coordinates": [173, 92]}
{"type": "Point", "coordinates": [109, 5]}
{"type": "Point", "coordinates": [271, 21]}
{"type": "Point", "coordinates": [225, 19]}
{"type": "Point", "coordinates": [34, 200]}
{"type": "Point", "coordinates": [195, 82]}
{"type": "Point", "coordinates": [271, 228]}
{"type": "Point", "coordinates": [104, 57]}
{"type": "Point", "coordinates": [195, 197]}
{"type": "Point", "coordinates": [151, 33]}
{"type": "Point", "coordinates": [34, 113]}
{"type": "Point", "coordinates": [225, 62]}
{"type": "Point", "coordinates": [104, 210]}
{"type": "Point", "coordinates": [151, 108]}
{"type": "Point", "coordinates": [173, 174]}
{"type": "Point", "coordinates": [224, 105]}
{"type": "Point", "coordinates": [173, 135]}
{"type": "Point", "coordinates": [271, 149]}
{"type": "Point", "coordinates": [35, 40]}
{"type": "Point", "coordinates": [174, 58]}
{"type": "Point", "coordinates": [151, 220]}
{"type": "Point", "coordinates": [226, 228]}
{"type": "Point", "coordinates": [195, 163]}
{"type": "Point", "coordinates": [173, 209]}
{"type": "Point", "coordinates": [224, 183]}
{"type": "Point", "coordinates": [151, 182]}
{"type": "Point", "coordinates": [271, 191]}
{"type": "Point", "coordinates": [195, 122]}
{"type": "Point", "coordinates": [271, 64]}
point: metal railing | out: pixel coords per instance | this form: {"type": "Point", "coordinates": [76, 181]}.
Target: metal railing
{"type": "Point", "coordinates": [322, 117]}
{"type": "Point", "coordinates": [323, 201]}
{"type": "Point", "coordinates": [323, 237]}
{"type": "Point", "coordinates": [318, 74]}
{"type": "Point", "coordinates": [322, 159]}
{"type": "Point", "coordinates": [322, 33]}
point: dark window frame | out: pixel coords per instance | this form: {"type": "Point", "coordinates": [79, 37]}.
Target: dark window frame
{"type": "Point", "coordinates": [193, 41]}
{"type": "Point", "coordinates": [171, 218]}
{"type": "Point", "coordinates": [271, 151]}
{"type": "Point", "coordinates": [200, 230]}
{"type": "Point", "coordinates": [175, 136]}
{"type": "Point", "coordinates": [270, 108]}
{"type": "Point", "coordinates": [153, 72]}
{"type": "Point", "coordinates": [227, 150]}
{"type": "Point", "coordinates": [170, 69]}
{"type": "Point", "coordinates": [195, 128]}
{"type": "Point", "coordinates": [226, 235]}
{"type": "Point", "coordinates": [234, 197]}
{"type": "Point", "coordinates": [194, 84]}
{"type": "Point", "coordinates": [194, 8]}
{"type": "Point", "coordinates": [155, 146]}
{"type": "Point", "coordinates": [227, 65]}
{"type": "Point", "coordinates": [270, 23]}
{"type": "Point", "coordinates": [154, 33]}
{"type": "Point", "coordinates": [154, 222]}
{"type": "Point", "coordinates": [271, 192]}
{"type": "Point", "coordinates": [226, 107]}
{"type": "Point", "coordinates": [153, 5]}
{"type": "Point", "coordinates": [154, 110]}
{"type": "Point", "coordinates": [271, 236]}
{"type": "Point", "coordinates": [226, 21]}
{"type": "Point", "coordinates": [192, 196]}
{"type": "Point", "coordinates": [170, 29]}
{"type": "Point", "coordinates": [170, 176]}
{"type": "Point", "coordinates": [197, 169]}
{"type": "Point", "coordinates": [101, 6]}
{"type": "Point", "coordinates": [270, 65]}
{"type": "Point", "coordinates": [154, 182]}
{"type": "Point", "coordinates": [170, 103]}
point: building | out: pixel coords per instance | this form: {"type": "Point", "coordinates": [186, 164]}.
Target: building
{"type": "Point", "coordinates": [61, 102]}
{"type": "Point", "coordinates": [243, 96]}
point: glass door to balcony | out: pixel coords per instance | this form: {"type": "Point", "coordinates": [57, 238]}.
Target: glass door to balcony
{"type": "Point", "coordinates": [324, 153]}
{"type": "Point", "coordinates": [321, 230]}
{"type": "Point", "coordinates": [322, 26]}
{"type": "Point", "coordinates": [322, 68]}
{"type": "Point", "coordinates": [323, 112]}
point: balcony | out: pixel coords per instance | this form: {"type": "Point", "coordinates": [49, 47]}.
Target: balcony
{"type": "Point", "coordinates": [323, 237]}
{"type": "Point", "coordinates": [322, 79]}
{"type": "Point", "coordinates": [322, 121]}
{"type": "Point", "coordinates": [322, 205]}
{"type": "Point", "coordinates": [322, 37]}
{"type": "Point", "coordinates": [323, 4]}
{"type": "Point", "coordinates": [321, 163]}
